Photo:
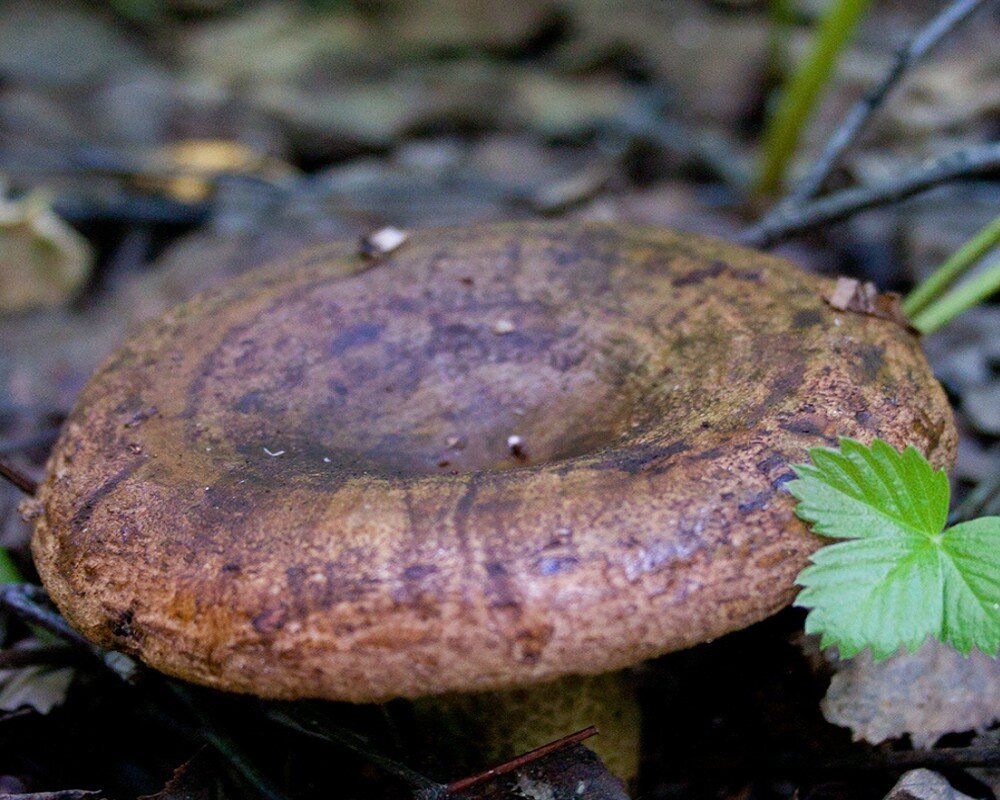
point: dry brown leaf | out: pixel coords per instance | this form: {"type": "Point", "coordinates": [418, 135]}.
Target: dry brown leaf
{"type": "Point", "coordinates": [39, 687]}
{"type": "Point", "coordinates": [186, 170]}
{"type": "Point", "coordinates": [925, 694]}
{"type": "Point", "coordinates": [864, 298]}
{"type": "Point", "coordinates": [852, 295]}
{"type": "Point", "coordinates": [43, 261]}
{"type": "Point", "coordinates": [922, 784]}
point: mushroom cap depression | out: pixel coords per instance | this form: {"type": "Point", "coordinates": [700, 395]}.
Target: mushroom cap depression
{"type": "Point", "coordinates": [303, 483]}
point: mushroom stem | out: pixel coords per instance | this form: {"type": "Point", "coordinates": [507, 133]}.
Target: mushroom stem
{"type": "Point", "coordinates": [496, 726]}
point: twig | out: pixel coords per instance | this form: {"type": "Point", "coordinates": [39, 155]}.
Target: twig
{"type": "Point", "coordinates": [22, 481]}
{"type": "Point", "coordinates": [26, 599]}
{"type": "Point", "coordinates": [16, 657]}
{"type": "Point", "coordinates": [318, 727]}
{"type": "Point", "coordinates": [858, 117]}
{"type": "Point", "coordinates": [860, 760]}
{"type": "Point", "coordinates": [520, 761]}
{"type": "Point", "coordinates": [968, 162]}
{"type": "Point", "coordinates": [931, 759]}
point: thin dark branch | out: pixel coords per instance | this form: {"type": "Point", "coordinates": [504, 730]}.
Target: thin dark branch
{"type": "Point", "coordinates": [520, 761]}
{"type": "Point", "coordinates": [856, 761]}
{"type": "Point", "coordinates": [17, 657]}
{"type": "Point", "coordinates": [22, 481]}
{"type": "Point", "coordinates": [23, 600]}
{"type": "Point", "coordinates": [859, 116]}
{"type": "Point", "coordinates": [27, 601]}
{"type": "Point", "coordinates": [977, 161]}
{"type": "Point", "coordinates": [928, 759]}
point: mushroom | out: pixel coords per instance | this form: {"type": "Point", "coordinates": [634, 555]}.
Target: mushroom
{"type": "Point", "coordinates": [302, 484]}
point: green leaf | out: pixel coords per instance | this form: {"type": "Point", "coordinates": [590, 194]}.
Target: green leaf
{"type": "Point", "coordinates": [972, 585]}
{"type": "Point", "coordinates": [901, 577]}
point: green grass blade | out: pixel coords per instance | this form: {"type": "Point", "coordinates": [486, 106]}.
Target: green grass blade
{"type": "Point", "coordinates": [799, 96]}
{"type": "Point", "coordinates": [958, 300]}
{"type": "Point", "coordinates": [953, 268]}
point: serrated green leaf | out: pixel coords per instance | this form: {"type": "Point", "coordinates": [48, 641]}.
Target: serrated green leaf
{"type": "Point", "coordinates": [901, 579]}
{"type": "Point", "coordinates": [971, 557]}
{"type": "Point", "coordinates": [857, 491]}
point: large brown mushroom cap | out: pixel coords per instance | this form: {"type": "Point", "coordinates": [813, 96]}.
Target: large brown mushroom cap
{"type": "Point", "coordinates": [302, 485]}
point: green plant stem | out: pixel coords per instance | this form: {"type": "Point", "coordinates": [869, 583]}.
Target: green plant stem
{"type": "Point", "coordinates": [799, 97]}
{"type": "Point", "coordinates": [952, 269]}
{"type": "Point", "coordinates": [958, 300]}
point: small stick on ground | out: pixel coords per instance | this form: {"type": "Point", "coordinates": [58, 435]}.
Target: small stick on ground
{"type": "Point", "coordinates": [23, 599]}
{"type": "Point", "coordinates": [971, 162]}
{"type": "Point", "coordinates": [857, 761]}
{"type": "Point", "coordinates": [26, 600]}
{"type": "Point", "coordinates": [520, 761]}
{"type": "Point", "coordinates": [22, 481]}
{"type": "Point", "coordinates": [53, 654]}
{"type": "Point", "coordinates": [918, 46]}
